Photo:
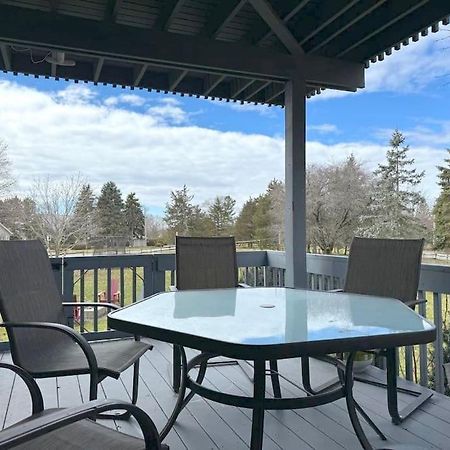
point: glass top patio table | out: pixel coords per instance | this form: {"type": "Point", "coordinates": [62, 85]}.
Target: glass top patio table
{"type": "Point", "coordinates": [265, 323]}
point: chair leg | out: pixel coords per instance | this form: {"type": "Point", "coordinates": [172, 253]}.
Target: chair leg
{"type": "Point", "coordinates": [273, 364]}
{"type": "Point", "coordinates": [306, 379]}
{"type": "Point", "coordinates": [125, 415]}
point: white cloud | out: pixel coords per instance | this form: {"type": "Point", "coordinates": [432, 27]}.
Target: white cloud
{"type": "Point", "coordinates": [324, 128]}
{"type": "Point", "coordinates": [58, 135]}
{"type": "Point", "coordinates": [126, 99]}
{"type": "Point", "coordinates": [411, 69]}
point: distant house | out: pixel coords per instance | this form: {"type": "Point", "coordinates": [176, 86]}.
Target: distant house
{"type": "Point", "coordinates": [5, 233]}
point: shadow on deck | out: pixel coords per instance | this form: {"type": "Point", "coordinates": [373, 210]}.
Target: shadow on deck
{"type": "Point", "coordinates": [205, 425]}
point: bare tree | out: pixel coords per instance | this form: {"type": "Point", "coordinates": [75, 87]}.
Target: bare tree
{"type": "Point", "coordinates": [6, 179]}
{"type": "Point", "coordinates": [54, 221]}
{"type": "Point", "coordinates": [337, 197]}
{"type": "Point", "coordinates": [154, 228]}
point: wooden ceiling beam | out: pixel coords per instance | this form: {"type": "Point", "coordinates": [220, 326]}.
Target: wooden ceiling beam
{"type": "Point", "coordinates": [286, 19]}
{"type": "Point", "coordinates": [329, 21]}
{"type": "Point", "coordinates": [112, 8]}
{"type": "Point", "coordinates": [239, 86]}
{"type": "Point", "coordinates": [347, 26]}
{"type": "Point", "coordinates": [53, 5]}
{"type": "Point", "coordinates": [98, 69]}
{"type": "Point", "coordinates": [139, 74]}
{"type": "Point", "coordinates": [256, 90]}
{"type": "Point", "coordinates": [6, 55]}
{"type": "Point", "coordinates": [175, 79]}
{"type": "Point", "coordinates": [274, 91]}
{"type": "Point", "coordinates": [387, 24]}
{"type": "Point", "coordinates": [225, 12]}
{"type": "Point", "coordinates": [278, 27]}
{"type": "Point", "coordinates": [169, 10]}
{"type": "Point", "coordinates": [211, 82]}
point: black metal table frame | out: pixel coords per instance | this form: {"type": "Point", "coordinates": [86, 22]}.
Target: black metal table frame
{"type": "Point", "coordinates": [259, 403]}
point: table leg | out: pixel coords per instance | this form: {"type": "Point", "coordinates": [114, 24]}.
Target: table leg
{"type": "Point", "coordinates": [351, 403]}
{"type": "Point", "coordinates": [181, 394]}
{"type": "Point", "coordinates": [259, 388]}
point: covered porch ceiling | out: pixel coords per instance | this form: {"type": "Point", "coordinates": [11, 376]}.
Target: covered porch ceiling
{"type": "Point", "coordinates": [238, 50]}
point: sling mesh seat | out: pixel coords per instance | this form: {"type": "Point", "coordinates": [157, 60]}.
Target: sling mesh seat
{"type": "Point", "coordinates": [72, 428]}
{"type": "Point", "coordinates": [33, 315]}
{"type": "Point", "coordinates": [209, 263]}
{"type": "Point", "coordinates": [383, 268]}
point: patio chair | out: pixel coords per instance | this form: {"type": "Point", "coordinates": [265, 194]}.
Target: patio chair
{"type": "Point", "coordinates": [73, 428]}
{"type": "Point", "coordinates": [383, 268]}
{"type": "Point", "coordinates": [41, 343]}
{"type": "Point", "coordinates": [209, 263]}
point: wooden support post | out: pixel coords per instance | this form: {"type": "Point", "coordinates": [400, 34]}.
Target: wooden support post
{"type": "Point", "coordinates": [295, 232]}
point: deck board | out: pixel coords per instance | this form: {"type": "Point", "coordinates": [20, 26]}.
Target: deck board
{"type": "Point", "coordinates": [205, 425]}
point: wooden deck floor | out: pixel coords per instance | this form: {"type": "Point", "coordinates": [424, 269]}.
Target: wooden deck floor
{"type": "Point", "coordinates": [206, 425]}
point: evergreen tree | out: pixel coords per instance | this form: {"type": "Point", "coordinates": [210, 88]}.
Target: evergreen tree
{"type": "Point", "coordinates": [134, 217]}
{"type": "Point", "coordinates": [245, 228]}
{"type": "Point", "coordinates": [221, 213]}
{"type": "Point", "coordinates": [85, 210]}
{"type": "Point", "coordinates": [109, 211]}
{"type": "Point", "coordinates": [395, 201]}
{"type": "Point", "coordinates": [183, 217]}
{"type": "Point", "coordinates": [442, 208]}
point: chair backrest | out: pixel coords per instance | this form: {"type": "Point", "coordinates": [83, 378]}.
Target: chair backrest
{"type": "Point", "coordinates": [28, 293]}
{"type": "Point", "coordinates": [384, 267]}
{"type": "Point", "coordinates": [206, 263]}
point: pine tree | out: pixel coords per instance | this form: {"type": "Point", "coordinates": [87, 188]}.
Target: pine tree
{"type": "Point", "coordinates": [396, 200]}
{"type": "Point", "coordinates": [221, 213]}
{"type": "Point", "coordinates": [442, 208]}
{"type": "Point", "coordinates": [183, 217]}
{"type": "Point", "coordinates": [245, 227]}
{"type": "Point", "coordinates": [134, 217]}
{"type": "Point", "coordinates": [85, 210]}
{"type": "Point", "coordinates": [109, 211]}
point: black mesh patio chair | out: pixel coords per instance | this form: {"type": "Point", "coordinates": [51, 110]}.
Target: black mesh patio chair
{"type": "Point", "coordinates": [209, 263]}
{"type": "Point", "coordinates": [73, 428]}
{"type": "Point", "coordinates": [383, 268]}
{"type": "Point", "coordinates": [41, 343]}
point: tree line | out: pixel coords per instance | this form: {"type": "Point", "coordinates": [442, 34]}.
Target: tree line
{"type": "Point", "coordinates": [342, 200]}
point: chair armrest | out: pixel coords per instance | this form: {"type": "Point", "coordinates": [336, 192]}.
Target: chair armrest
{"type": "Point", "coordinates": [37, 401]}
{"type": "Point", "coordinates": [41, 425]}
{"type": "Point", "coordinates": [244, 285]}
{"type": "Point", "coordinates": [336, 290]}
{"type": "Point", "coordinates": [92, 304]}
{"type": "Point", "coordinates": [80, 340]}
{"type": "Point", "coordinates": [415, 302]}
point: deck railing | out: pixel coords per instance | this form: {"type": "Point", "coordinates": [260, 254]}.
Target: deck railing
{"type": "Point", "coordinates": [124, 279]}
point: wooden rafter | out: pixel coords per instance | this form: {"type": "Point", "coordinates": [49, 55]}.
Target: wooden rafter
{"type": "Point", "coordinates": [169, 10]}
{"type": "Point", "coordinates": [330, 20]}
{"type": "Point", "coordinates": [211, 82]}
{"type": "Point", "coordinates": [98, 69]}
{"type": "Point", "coordinates": [256, 89]}
{"type": "Point", "coordinates": [387, 24]}
{"type": "Point", "coordinates": [286, 18]}
{"type": "Point", "coordinates": [6, 55]}
{"type": "Point", "coordinates": [349, 24]}
{"type": "Point", "coordinates": [274, 91]}
{"type": "Point", "coordinates": [139, 74]}
{"type": "Point", "coordinates": [239, 86]}
{"type": "Point", "coordinates": [176, 78]}
{"type": "Point", "coordinates": [223, 15]}
{"type": "Point", "coordinates": [277, 26]}
{"type": "Point", "coordinates": [112, 8]}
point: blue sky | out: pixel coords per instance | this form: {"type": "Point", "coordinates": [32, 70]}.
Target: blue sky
{"type": "Point", "coordinates": [153, 143]}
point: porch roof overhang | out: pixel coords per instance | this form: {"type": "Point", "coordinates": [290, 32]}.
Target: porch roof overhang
{"type": "Point", "coordinates": [239, 50]}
